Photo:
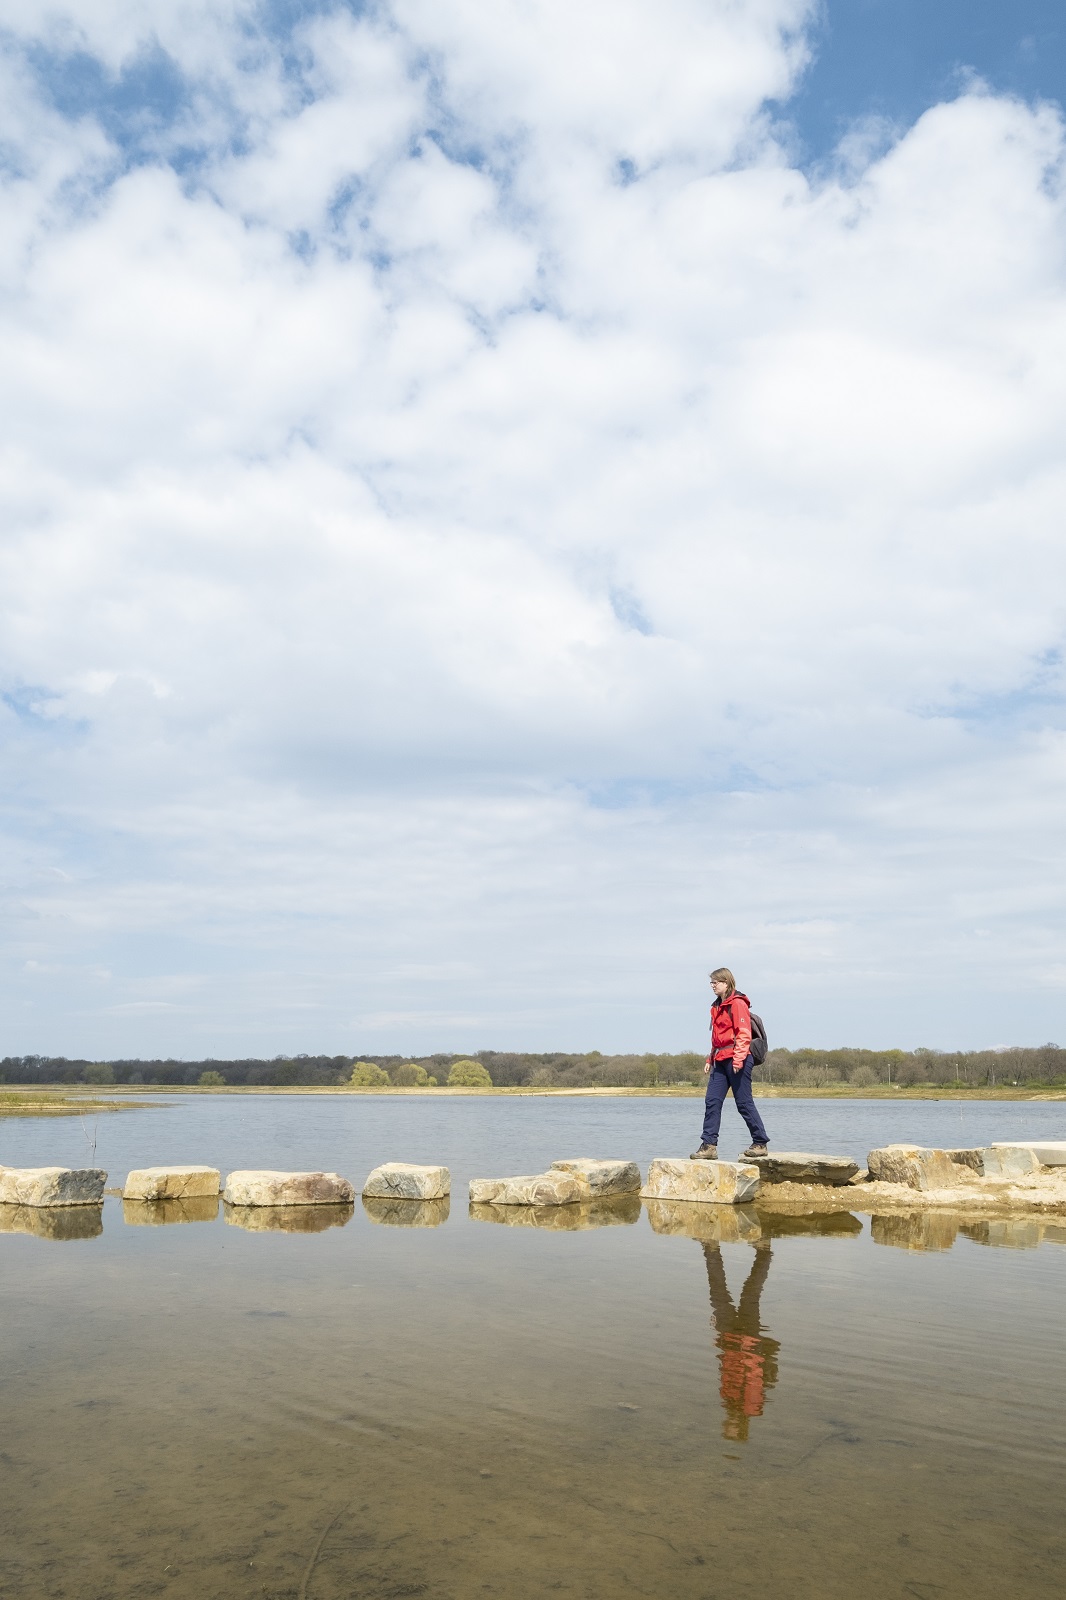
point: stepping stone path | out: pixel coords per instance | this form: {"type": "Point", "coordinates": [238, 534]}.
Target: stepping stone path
{"type": "Point", "coordinates": [400, 1180]}
{"type": "Point", "coordinates": [728, 1183]}
{"type": "Point", "coordinates": [603, 1177]}
{"type": "Point", "coordinates": [171, 1183]}
{"type": "Point", "coordinates": [799, 1166]}
{"type": "Point", "coordinates": [255, 1188]}
{"type": "Point", "coordinates": [51, 1186]}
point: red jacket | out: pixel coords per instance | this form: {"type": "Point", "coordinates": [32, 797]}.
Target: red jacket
{"type": "Point", "coordinates": [731, 1029]}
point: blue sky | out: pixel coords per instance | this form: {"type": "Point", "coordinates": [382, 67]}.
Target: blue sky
{"type": "Point", "coordinates": [503, 510]}
{"type": "Point", "coordinates": [895, 58]}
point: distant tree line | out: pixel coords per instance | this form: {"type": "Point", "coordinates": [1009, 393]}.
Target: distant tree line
{"type": "Point", "coordinates": [1041, 1065]}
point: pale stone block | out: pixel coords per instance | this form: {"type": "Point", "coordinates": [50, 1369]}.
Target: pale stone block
{"type": "Point", "coordinates": [541, 1189]}
{"type": "Point", "coordinates": [161, 1213]}
{"type": "Point", "coordinates": [60, 1223]}
{"type": "Point", "coordinates": [603, 1177]}
{"type": "Point", "coordinates": [300, 1218]}
{"type": "Point", "coordinates": [799, 1166]}
{"type": "Point", "coordinates": [287, 1189]}
{"type": "Point", "coordinates": [974, 1159]}
{"type": "Point", "coordinates": [915, 1166]}
{"type": "Point", "coordinates": [171, 1183]}
{"type": "Point", "coordinates": [51, 1186]}
{"type": "Point", "coordinates": [728, 1183]}
{"type": "Point", "coordinates": [1010, 1161]}
{"type": "Point", "coordinates": [407, 1213]}
{"type": "Point", "coordinates": [400, 1180]}
{"type": "Point", "coordinates": [1049, 1152]}
{"type": "Point", "coordinates": [709, 1224]}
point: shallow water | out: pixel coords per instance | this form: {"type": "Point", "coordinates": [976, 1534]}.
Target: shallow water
{"type": "Point", "coordinates": [683, 1401]}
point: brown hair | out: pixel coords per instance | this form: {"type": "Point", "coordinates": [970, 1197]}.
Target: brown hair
{"type": "Point", "coordinates": [723, 975]}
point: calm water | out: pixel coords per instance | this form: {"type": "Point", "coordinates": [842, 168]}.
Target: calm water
{"type": "Point", "coordinates": [722, 1407]}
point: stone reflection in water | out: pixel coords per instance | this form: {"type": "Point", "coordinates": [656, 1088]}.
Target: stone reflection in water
{"type": "Point", "coordinates": [61, 1223]}
{"type": "Point", "coordinates": [160, 1213]}
{"type": "Point", "coordinates": [810, 1225]}
{"type": "Point", "coordinates": [747, 1356]}
{"type": "Point", "coordinates": [407, 1213]}
{"type": "Point", "coordinates": [713, 1224]}
{"type": "Point", "coordinates": [915, 1230]}
{"type": "Point", "coordinates": [1013, 1233]}
{"type": "Point", "coordinates": [289, 1219]}
{"type": "Point", "coordinates": [615, 1211]}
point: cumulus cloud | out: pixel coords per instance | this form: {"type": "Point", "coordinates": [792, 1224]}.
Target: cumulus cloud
{"type": "Point", "coordinates": [487, 533]}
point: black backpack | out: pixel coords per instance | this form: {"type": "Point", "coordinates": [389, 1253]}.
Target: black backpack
{"type": "Point", "coordinates": [759, 1043]}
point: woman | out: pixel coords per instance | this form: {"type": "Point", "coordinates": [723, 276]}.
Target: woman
{"type": "Point", "coordinates": [729, 1066]}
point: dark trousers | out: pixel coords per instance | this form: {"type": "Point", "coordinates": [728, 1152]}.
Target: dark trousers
{"type": "Point", "coordinates": [719, 1083]}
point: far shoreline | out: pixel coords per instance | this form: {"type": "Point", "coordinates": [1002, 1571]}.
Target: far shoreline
{"type": "Point", "coordinates": [93, 1097]}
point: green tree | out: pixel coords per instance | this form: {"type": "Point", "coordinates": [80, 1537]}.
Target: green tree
{"type": "Point", "coordinates": [410, 1075]}
{"type": "Point", "coordinates": [365, 1075]}
{"type": "Point", "coordinates": [469, 1075]}
{"type": "Point", "coordinates": [99, 1072]}
{"type": "Point", "coordinates": [211, 1080]}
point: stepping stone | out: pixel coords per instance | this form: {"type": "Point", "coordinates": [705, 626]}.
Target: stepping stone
{"type": "Point", "coordinates": [914, 1166]}
{"type": "Point", "coordinates": [1010, 1161]}
{"type": "Point", "coordinates": [400, 1180]}
{"type": "Point", "coordinates": [974, 1159]}
{"type": "Point", "coordinates": [171, 1183]}
{"type": "Point", "coordinates": [51, 1186]}
{"type": "Point", "coordinates": [603, 1177]}
{"type": "Point", "coordinates": [542, 1189]}
{"type": "Point", "coordinates": [1049, 1152]}
{"type": "Point", "coordinates": [799, 1166]}
{"type": "Point", "coordinates": [727, 1183]}
{"type": "Point", "coordinates": [255, 1188]}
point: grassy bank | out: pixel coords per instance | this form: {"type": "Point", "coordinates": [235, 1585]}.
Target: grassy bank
{"type": "Point", "coordinates": [55, 1103]}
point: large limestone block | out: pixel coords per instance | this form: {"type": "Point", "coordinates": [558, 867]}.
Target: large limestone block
{"type": "Point", "coordinates": [541, 1189]}
{"type": "Point", "coordinates": [603, 1177]}
{"type": "Point", "coordinates": [400, 1180]}
{"type": "Point", "coordinates": [728, 1183]}
{"type": "Point", "coordinates": [915, 1166]}
{"type": "Point", "coordinates": [314, 1218]}
{"type": "Point", "coordinates": [974, 1159]}
{"type": "Point", "coordinates": [161, 1213]}
{"type": "Point", "coordinates": [407, 1213]}
{"type": "Point", "coordinates": [1049, 1152]}
{"type": "Point", "coordinates": [51, 1186]}
{"type": "Point", "coordinates": [799, 1166]}
{"type": "Point", "coordinates": [288, 1189]}
{"type": "Point", "coordinates": [1010, 1161]}
{"type": "Point", "coordinates": [171, 1183]}
{"type": "Point", "coordinates": [60, 1223]}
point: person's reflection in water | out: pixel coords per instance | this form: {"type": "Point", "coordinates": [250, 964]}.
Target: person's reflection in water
{"type": "Point", "coordinates": [746, 1356]}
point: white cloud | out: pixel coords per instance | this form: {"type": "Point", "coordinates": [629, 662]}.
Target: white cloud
{"type": "Point", "coordinates": [485, 513]}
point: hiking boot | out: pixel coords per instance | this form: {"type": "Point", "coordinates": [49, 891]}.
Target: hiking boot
{"type": "Point", "coordinates": [706, 1152]}
{"type": "Point", "coordinates": [755, 1150]}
